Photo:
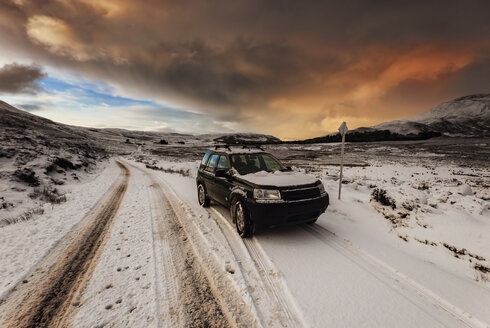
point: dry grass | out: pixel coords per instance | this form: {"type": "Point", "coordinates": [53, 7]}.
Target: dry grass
{"type": "Point", "coordinates": [49, 195]}
{"type": "Point", "coordinates": [23, 217]}
{"type": "Point", "coordinates": [379, 195]}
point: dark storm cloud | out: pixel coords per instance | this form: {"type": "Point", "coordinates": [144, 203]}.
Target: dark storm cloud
{"type": "Point", "coordinates": [16, 78]}
{"type": "Point", "coordinates": [242, 73]}
{"type": "Point", "coordinates": [249, 59]}
{"type": "Point", "coordinates": [474, 79]}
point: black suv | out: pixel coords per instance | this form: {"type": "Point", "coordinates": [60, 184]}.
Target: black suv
{"type": "Point", "coordinates": [258, 189]}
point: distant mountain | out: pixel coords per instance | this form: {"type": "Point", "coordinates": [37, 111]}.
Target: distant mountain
{"type": "Point", "coordinates": [20, 128]}
{"type": "Point", "coordinates": [467, 116]}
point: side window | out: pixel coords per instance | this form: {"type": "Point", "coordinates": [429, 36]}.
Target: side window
{"type": "Point", "coordinates": [212, 163]}
{"type": "Point", "coordinates": [205, 158]}
{"type": "Point", "coordinates": [223, 163]}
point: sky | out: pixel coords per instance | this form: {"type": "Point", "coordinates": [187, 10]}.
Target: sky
{"type": "Point", "coordinates": [292, 69]}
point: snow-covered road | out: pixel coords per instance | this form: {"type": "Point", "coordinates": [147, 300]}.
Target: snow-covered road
{"type": "Point", "coordinates": [167, 262]}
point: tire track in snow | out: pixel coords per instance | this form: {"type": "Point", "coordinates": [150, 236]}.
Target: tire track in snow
{"type": "Point", "coordinates": [276, 288]}
{"type": "Point", "coordinates": [47, 300]}
{"type": "Point", "coordinates": [167, 278]}
{"type": "Point", "coordinates": [284, 311]}
{"type": "Point", "coordinates": [235, 301]}
{"type": "Point", "coordinates": [184, 290]}
{"type": "Point", "coordinates": [245, 271]}
{"type": "Point", "coordinates": [448, 314]}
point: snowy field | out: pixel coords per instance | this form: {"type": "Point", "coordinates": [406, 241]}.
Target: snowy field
{"type": "Point", "coordinates": [408, 245]}
{"type": "Point", "coordinates": [434, 233]}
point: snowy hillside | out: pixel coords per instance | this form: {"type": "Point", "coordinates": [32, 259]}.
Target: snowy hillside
{"type": "Point", "coordinates": [465, 116]}
{"type": "Point", "coordinates": [38, 159]}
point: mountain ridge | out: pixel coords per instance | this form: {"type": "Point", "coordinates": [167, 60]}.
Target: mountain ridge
{"type": "Point", "coordinates": [12, 117]}
{"type": "Point", "coordinates": [466, 116]}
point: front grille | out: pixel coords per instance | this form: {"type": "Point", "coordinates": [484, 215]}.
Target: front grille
{"type": "Point", "coordinates": [300, 193]}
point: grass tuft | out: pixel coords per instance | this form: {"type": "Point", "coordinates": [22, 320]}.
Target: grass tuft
{"type": "Point", "coordinates": [379, 195]}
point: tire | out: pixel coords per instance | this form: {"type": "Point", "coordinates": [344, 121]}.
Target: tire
{"type": "Point", "coordinates": [312, 221]}
{"type": "Point", "coordinates": [202, 196]}
{"type": "Point", "coordinates": [244, 225]}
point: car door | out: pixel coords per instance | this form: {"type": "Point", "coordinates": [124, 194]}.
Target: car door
{"type": "Point", "coordinates": [223, 185]}
{"type": "Point", "coordinates": [208, 175]}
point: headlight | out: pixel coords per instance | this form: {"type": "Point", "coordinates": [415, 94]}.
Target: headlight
{"type": "Point", "coordinates": [267, 194]}
{"type": "Point", "coordinates": [322, 188]}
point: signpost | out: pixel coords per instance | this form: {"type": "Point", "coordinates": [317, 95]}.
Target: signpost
{"type": "Point", "coordinates": [343, 130]}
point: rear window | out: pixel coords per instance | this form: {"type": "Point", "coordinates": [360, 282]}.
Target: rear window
{"type": "Point", "coordinates": [212, 163]}
{"type": "Point", "coordinates": [205, 158]}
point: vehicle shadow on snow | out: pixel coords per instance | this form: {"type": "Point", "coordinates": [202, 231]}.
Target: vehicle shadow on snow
{"type": "Point", "coordinates": [289, 230]}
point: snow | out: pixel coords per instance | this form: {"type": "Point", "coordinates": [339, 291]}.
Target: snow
{"type": "Point", "coordinates": [400, 126]}
{"type": "Point", "coordinates": [25, 243]}
{"type": "Point", "coordinates": [239, 150]}
{"type": "Point", "coordinates": [465, 190]}
{"type": "Point", "coordinates": [362, 266]}
{"type": "Point", "coordinates": [278, 178]}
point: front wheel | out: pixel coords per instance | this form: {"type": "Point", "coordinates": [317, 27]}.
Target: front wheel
{"type": "Point", "coordinates": [244, 225]}
{"type": "Point", "coordinates": [202, 196]}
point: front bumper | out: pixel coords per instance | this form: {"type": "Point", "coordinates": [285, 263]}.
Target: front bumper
{"type": "Point", "coordinates": [285, 212]}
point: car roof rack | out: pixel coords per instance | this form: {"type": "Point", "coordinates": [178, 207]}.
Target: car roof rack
{"type": "Point", "coordinates": [216, 147]}
{"type": "Point", "coordinates": [252, 147]}
{"type": "Point", "coordinates": [243, 146]}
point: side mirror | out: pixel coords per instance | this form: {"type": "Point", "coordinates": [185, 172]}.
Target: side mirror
{"type": "Point", "coordinates": [221, 173]}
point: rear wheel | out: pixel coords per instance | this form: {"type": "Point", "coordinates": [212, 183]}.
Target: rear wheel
{"type": "Point", "coordinates": [244, 225]}
{"type": "Point", "coordinates": [202, 196]}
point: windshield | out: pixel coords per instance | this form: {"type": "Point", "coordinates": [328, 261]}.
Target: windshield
{"type": "Point", "coordinates": [251, 163]}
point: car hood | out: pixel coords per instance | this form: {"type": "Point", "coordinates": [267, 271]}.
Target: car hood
{"type": "Point", "coordinates": [278, 178]}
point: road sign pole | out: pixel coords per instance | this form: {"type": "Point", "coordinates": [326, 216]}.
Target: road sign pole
{"type": "Point", "coordinates": [341, 164]}
{"type": "Point", "coordinates": [343, 130]}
